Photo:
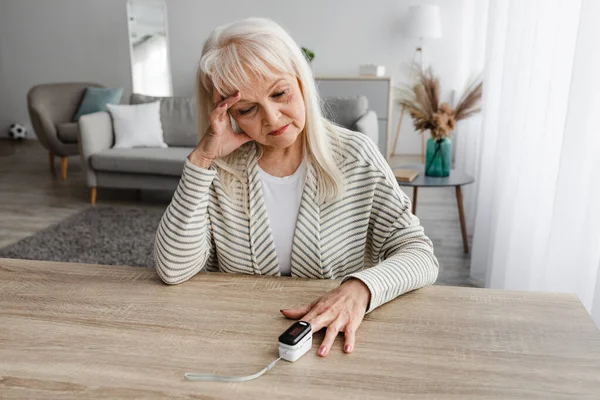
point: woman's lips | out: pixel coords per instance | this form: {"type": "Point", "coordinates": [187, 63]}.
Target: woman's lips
{"type": "Point", "coordinates": [279, 131]}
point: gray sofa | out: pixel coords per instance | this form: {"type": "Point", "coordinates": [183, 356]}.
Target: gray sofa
{"type": "Point", "coordinates": [160, 168]}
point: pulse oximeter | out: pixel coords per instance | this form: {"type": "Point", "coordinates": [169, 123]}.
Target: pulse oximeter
{"type": "Point", "coordinates": [293, 344]}
{"type": "Point", "coordinates": [295, 341]}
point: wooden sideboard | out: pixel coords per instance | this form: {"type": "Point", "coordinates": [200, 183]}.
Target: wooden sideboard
{"type": "Point", "coordinates": [378, 91]}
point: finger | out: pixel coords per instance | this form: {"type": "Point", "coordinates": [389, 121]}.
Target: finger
{"type": "Point", "coordinates": [349, 338]}
{"type": "Point", "coordinates": [310, 317]}
{"type": "Point", "coordinates": [330, 336]}
{"type": "Point", "coordinates": [234, 98]}
{"type": "Point", "coordinates": [297, 313]}
{"type": "Point", "coordinates": [319, 319]}
{"type": "Point", "coordinates": [225, 104]}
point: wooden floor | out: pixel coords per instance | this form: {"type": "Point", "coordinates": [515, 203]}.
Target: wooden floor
{"type": "Point", "coordinates": [32, 198]}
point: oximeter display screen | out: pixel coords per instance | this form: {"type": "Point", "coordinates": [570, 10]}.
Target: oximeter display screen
{"type": "Point", "coordinates": [295, 333]}
{"type": "Point", "coordinates": [295, 330]}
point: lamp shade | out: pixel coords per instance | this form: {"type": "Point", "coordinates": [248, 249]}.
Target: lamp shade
{"type": "Point", "coordinates": [424, 22]}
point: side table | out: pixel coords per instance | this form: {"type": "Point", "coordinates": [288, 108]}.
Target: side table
{"type": "Point", "coordinates": [457, 179]}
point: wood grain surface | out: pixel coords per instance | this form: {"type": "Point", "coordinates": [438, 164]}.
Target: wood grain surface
{"type": "Point", "coordinates": [92, 331]}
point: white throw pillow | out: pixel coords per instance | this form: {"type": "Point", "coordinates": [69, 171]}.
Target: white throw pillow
{"type": "Point", "coordinates": [137, 125]}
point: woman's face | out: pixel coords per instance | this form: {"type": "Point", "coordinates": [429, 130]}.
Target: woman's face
{"type": "Point", "coordinates": [267, 106]}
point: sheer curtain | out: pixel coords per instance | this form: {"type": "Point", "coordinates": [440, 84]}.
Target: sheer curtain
{"type": "Point", "coordinates": [151, 75]}
{"type": "Point", "coordinates": [467, 138]}
{"type": "Point", "coordinates": [537, 222]}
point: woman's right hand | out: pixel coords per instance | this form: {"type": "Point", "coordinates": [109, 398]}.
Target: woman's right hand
{"type": "Point", "coordinates": [219, 139]}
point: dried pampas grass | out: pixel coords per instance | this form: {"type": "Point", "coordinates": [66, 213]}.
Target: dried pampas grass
{"type": "Point", "coordinates": [422, 101]}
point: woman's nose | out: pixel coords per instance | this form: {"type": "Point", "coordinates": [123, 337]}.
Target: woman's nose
{"type": "Point", "coordinates": [271, 116]}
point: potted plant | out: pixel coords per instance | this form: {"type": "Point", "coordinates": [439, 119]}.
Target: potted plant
{"type": "Point", "coordinates": [422, 101]}
{"type": "Point", "coordinates": [308, 54]}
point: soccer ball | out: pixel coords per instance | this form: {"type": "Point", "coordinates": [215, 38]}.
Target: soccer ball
{"type": "Point", "coordinates": [17, 131]}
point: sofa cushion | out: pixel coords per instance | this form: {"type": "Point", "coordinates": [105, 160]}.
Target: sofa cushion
{"type": "Point", "coordinates": [95, 100]}
{"type": "Point", "coordinates": [142, 160]}
{"type": "Point", "coordinates": [137, 125]}
{"type": "Point", "coordinates": [177, 116]}
{"type": "Point", "coordinates": [345, 111]}
{"type": "Point", "coordinates": [68, 132]}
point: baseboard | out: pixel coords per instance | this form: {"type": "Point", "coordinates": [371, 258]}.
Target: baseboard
{"type": "Point", "coordinates": [4, 135]}
{"type": "Point", "coordinates": [476, 282]}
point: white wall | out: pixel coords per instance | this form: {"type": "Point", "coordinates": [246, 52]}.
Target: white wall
{"type": "Point", "coordinates": [68, 40]}
{"type": "Point", "coordinates": [59, 41]}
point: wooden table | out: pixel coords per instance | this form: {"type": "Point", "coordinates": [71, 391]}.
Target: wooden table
{"type": "Point", "coordinates": [87, 331]}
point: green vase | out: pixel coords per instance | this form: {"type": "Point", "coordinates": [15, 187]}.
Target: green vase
{"type": "Point", "coordinates": [438, 157]}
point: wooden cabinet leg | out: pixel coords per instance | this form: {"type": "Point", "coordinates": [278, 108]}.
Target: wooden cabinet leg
{"type": "Point", "coordinates": [414, 202]}
{"type": "Point", "coordinates": [93, 196]}
{"type": "Point", "coordinates": [63, 168]}
{"type": "Point", "coordinates": [461, 215]}
{"type": "Point", "coordinates": [393, 149]}
{"type": "Point", "coordinates": [51, 159]}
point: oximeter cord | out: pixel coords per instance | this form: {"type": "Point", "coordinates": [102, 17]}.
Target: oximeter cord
{"type": "Point", "coordinates": [220, 378]}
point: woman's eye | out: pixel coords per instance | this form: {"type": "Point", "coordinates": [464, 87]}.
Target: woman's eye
{"type": "Point", "coordinates": [246, 111]}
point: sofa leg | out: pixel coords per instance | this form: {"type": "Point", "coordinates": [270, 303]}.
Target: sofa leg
{"type": "Point", "coordinates": [63, 168]}
{"type": "Point", "coordinates": [51, 159]}
{"type": "Point", "coordinates": [93, 196]}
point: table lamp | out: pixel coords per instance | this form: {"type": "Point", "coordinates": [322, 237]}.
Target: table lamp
{"type": "Point", "coordinates": [423, 22]}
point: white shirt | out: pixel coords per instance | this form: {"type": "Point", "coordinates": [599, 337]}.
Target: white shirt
{"type": "Point", "coordinates": [282, 198]}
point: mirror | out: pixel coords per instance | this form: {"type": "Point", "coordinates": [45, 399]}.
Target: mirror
{"type": "Point", "coordinates": [149, 47]}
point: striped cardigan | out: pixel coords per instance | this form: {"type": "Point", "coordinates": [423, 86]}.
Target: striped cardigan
{"type": "Point", "coordinates": [369, 234]}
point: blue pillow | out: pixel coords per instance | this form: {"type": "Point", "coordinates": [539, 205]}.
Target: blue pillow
{"type": "Point", "coordinates": [95, 100]}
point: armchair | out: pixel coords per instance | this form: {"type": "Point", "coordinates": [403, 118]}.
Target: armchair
{"type": "Point", "coordinates": [51, 109]}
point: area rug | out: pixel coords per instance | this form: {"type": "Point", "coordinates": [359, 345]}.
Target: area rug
{"type": "Point", "coordinates": [107, 235]}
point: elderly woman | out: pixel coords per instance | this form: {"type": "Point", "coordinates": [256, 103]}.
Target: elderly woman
{"type": "Point", "coordinates": [274, 188]}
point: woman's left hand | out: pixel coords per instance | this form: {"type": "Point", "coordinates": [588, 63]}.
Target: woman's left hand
{"type": "Point", "coordinates": [341, 310]}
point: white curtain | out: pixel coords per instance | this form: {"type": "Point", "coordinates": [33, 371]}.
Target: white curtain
{"type": "Point", "coordinates": [467, 137]}
{"type": "Point", "coordinates": [151, 75]}
{"type": "Point", "coordinates": [537, 222]}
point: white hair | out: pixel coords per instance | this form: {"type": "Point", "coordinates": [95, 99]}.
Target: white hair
{"type": "Point", "coordinates": [232, 56]}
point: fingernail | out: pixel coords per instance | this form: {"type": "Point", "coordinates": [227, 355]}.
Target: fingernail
{"type": "Point", "coordinates": [347, 348]}
{"type": "Point", "coordinates": [322, 350]}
